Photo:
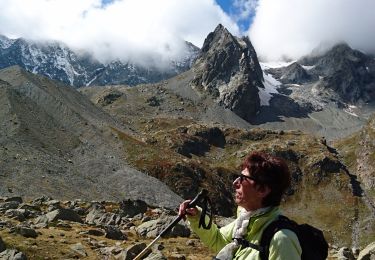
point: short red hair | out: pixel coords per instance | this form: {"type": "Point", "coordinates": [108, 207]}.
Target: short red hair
{"type": "Point", "coordinates": [270, 171]}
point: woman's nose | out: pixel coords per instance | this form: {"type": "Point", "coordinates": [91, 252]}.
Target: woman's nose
{"type": "Point", "coordinates": [236, 182]}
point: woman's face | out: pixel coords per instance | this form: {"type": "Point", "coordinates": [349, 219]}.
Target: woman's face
{"type": "Point", "coordinates": [248, 194]}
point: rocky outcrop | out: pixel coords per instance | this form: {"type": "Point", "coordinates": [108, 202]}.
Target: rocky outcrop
{"type": "Point", "coordinates": [348, 72]}
{"type": "Point", "coordinates": [292, 74]}
{"type": "Point", "coordinates": [228, 70]}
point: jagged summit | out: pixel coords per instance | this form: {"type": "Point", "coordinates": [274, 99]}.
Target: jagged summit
{"type": "Point", "coordinates": [77, 68]}
{"type": "Point", "coordinates": [350, 73]}
{"type": "Point", "coordinates": [228, 69]}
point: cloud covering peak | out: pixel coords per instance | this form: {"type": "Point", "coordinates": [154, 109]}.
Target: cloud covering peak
{"type": "Point", "coordinates": [136, 30]}
{"type": "Point", "coordinates": [292, 28]}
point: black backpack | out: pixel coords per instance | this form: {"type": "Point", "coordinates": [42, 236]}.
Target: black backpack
{"type": "Point", "coordinates": [312, 241]}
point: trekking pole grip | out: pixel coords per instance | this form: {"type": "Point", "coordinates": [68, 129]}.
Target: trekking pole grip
{"type": "Point", "coordinates": [191, 204]}
{"type": "Point", "coordinates": [203, 193]}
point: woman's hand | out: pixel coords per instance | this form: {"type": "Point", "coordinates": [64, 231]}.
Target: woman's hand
{"type": "Point", "coordinates": [185, 210]}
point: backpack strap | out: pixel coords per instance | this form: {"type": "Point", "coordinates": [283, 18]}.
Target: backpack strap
{"type": "Point", "coordinates": [281, 223]}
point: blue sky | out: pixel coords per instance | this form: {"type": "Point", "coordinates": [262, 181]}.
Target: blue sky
{"type": "Point", "coordinates": [241, 11]}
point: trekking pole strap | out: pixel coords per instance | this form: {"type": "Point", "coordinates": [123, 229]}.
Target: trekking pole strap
{"type": "Point", "coordinates": [202, 219]}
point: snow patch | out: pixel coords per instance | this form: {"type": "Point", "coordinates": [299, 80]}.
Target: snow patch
{"type": "Point", "coordinates": [308, 67]}
{"type": "Point", "coordinates": [270, 87]}
{"type": "Point", "coordinates": [6, 43]}
{"type": "Point", "coordinates": [89, 83]}
{"type": "Point", "coordinates": [350, 110]}
{"type": "Point", "coordinates": [275, 64]}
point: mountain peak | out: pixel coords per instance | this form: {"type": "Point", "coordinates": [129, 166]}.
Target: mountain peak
{"type": "Point", "coordinates": [219, 38]}
{"type": "Point", "coordinates": [228, 69]}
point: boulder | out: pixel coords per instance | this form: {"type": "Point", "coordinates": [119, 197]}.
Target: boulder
{"type": "Point", "coordinates": [26, 231]}
{"type": "Point", "coordinates": [79, 249]}
{"type": "Point", "coordinates": [113, 232]}
{"type": "Point", "coordinates": [345, 253]}
{"type": "Point", "coordinates": [130, 208]}
{"type": "Point", "coordinates": [18, 214]}
{"type": "Point", "coordinates": [59, 214]}
{"type": "Point", "coordinates": [153, 228]}
{"type": "Point", "coordinates": [2, 245]}
{"type": "Point", "coordinates": [12, 254]}
{"type": "Point", "coordinates": [156, 256]}
{"type": "Point", "coordinates": [17, 199]}
{"type": "Point", "coordinates": [8, 205]}
{"type": "Point", "coordinates": [132, 251]}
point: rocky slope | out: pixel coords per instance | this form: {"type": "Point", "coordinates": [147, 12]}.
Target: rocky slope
{"type": "Point", "coordinates": [104, 230]}
{"type": "Point", "coordinates": [79, 68]}
{"type": "Point", "coordinates": [55, 142]}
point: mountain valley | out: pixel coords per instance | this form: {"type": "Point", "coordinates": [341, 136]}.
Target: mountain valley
{"type": "Point", "coordinates": [163, 142]}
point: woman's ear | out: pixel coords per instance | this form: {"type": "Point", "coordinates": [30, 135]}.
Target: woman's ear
{"type": "Point", "coordinates": [263, 190]}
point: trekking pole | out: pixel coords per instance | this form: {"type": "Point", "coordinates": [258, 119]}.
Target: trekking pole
{"type": "Point", "coordinates": [192, 204]}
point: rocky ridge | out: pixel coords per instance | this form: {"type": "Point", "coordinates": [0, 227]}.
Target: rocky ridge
{"type": "Point", "coordinates": [79, 68]}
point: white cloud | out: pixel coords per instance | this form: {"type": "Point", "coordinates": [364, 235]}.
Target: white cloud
{"type": "Point", "coordinates": [244, 8]}
{"type": "Point", "coordinates": [143, 30]}
{"type": "Point", "coordinates": [294, 27]}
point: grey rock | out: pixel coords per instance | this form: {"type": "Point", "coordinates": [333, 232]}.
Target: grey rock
{"type": "Point", "coordinates": [79, 249]}
{"type": "Point", "coordinates": [12, 254]}
{"type": "Point", "coordinates": [17, 199]}
{"type": "Point", "coordinates": [110, 251]}
{"type": "Point", "coordinates": [94, 214]}
{"type": "Point", "coordinates": [26, 231]}
{"type": "Point", "coordinates": [176, 256]}
{"type": "Point", "coordinates": [59, 214]}
{"type": "Point", "coordinates": [131, 208]}
{"type": "Point", "coordinates": [109, 219]}
{"type": "Point", "coordinates": [113, 232]}
{"type": "Point", "coordinates": [8, 205]}
{"type": "Point", "coordinates": [345, 253]}
{"type": "Point", "coordinates": [64, 214]}
{"type": "Point", "coordinates": [156, 256]}
{"type": "Point", "coordinates": [29, 207]}
{"type": "Point", "coordinates": [368, 253]}
{"type": "Point", "coordinates": [19, 214]}
{"type": "Point", "coordinates": [40, 200]}
{"type": "Point", "coordinates": [132, 251]}
{"type": "Point", "coordinates": [153, 228]}
{"type": "Point", "coordinates": [97, 216]}
{"type": "Point", "coordinates": [2, 245]}
{"type": "Point", "coordinates": [109, 98]}
{"type": "Point", "coordinates": [94, 232]}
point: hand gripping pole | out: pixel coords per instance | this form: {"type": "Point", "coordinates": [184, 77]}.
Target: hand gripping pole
{"type": "Point", "coordinates": [192, 204]}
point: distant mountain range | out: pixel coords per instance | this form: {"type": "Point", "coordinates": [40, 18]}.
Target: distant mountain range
{"type": "Point", "coordinates": [57, 61]}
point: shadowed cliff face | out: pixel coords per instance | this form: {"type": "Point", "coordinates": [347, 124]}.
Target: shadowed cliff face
{"type": "Point", "coordinates": [228, 70]}
{"type": "Point", "coordinates": [350, 73]}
